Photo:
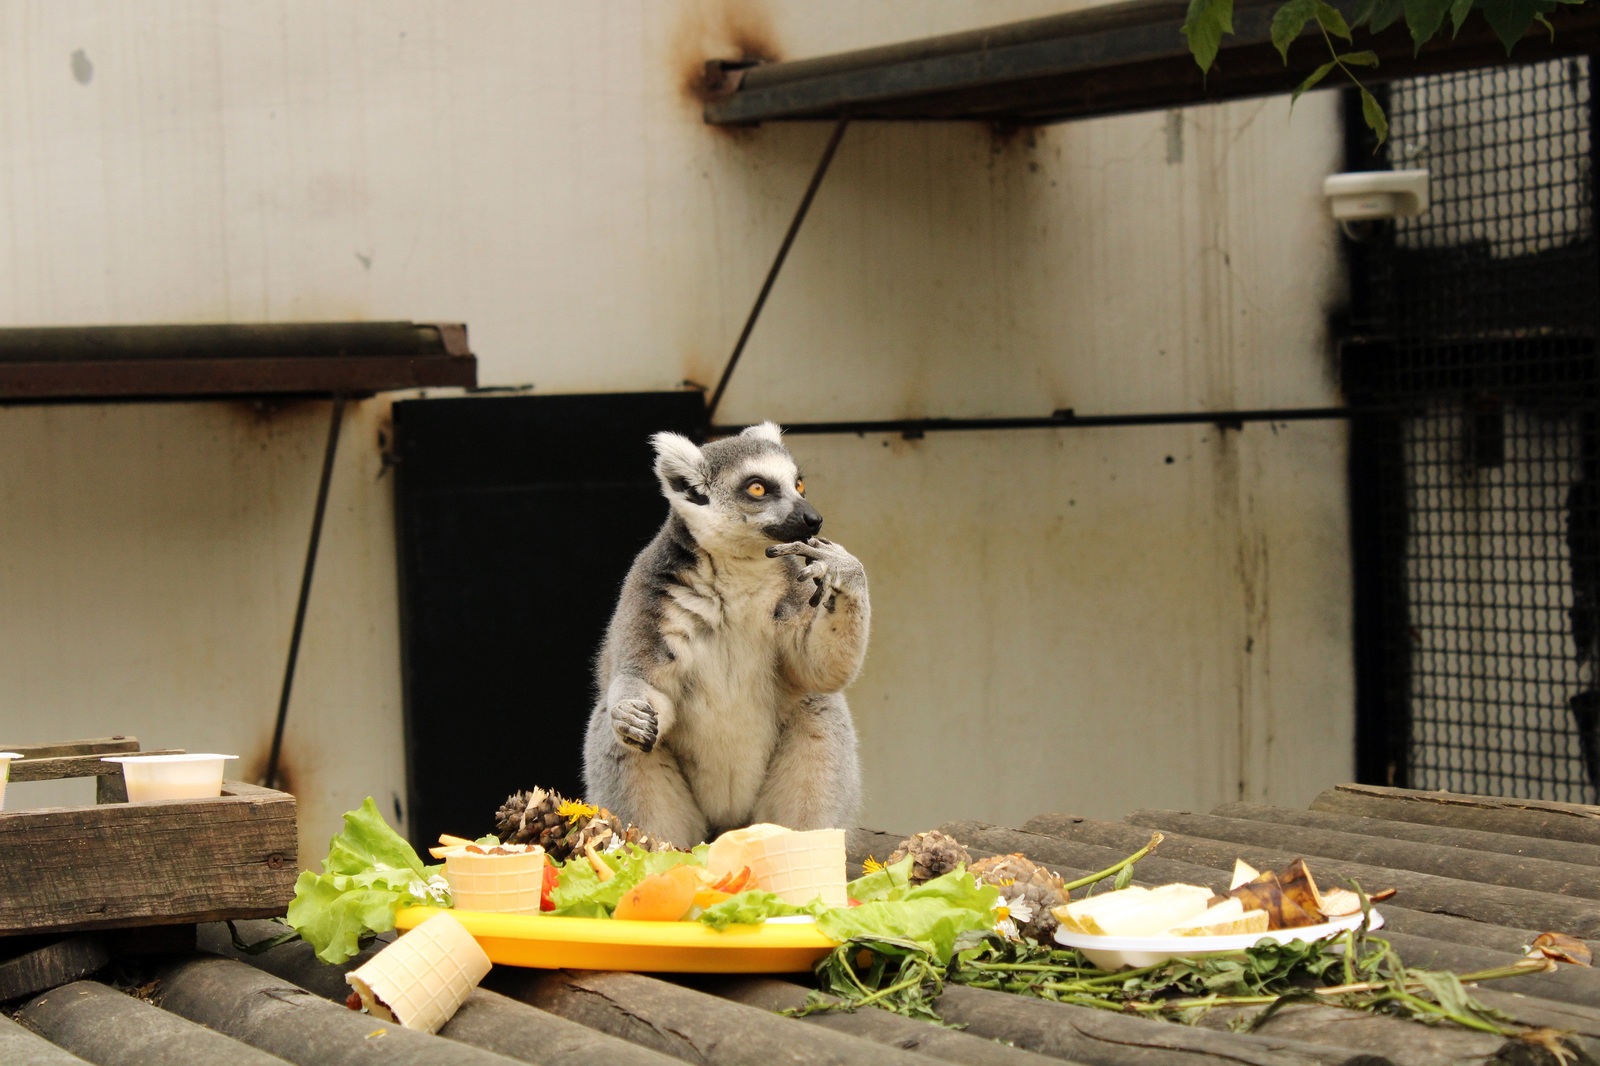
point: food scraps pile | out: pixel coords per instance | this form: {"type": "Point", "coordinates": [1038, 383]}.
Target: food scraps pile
{"type": "Point", "coordinates": [930, 915]}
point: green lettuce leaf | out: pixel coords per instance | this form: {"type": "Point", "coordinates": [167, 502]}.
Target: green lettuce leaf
{"type": "Point", "coordinates": [931, 916]}
{"type": "Point", "coordinates": [753, 908]}
{"type": "Point", "coordinates": [888, 882]}
{"type": "Point", "coordinates": [581, 894]}
{"type": "Point", "coordinates": [369, 874]}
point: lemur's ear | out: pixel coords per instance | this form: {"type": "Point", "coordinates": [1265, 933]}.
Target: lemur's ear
{"type": "Point", "coordinates": [764, 431]}
{"type": "Point", "coordinates": [681, 467]}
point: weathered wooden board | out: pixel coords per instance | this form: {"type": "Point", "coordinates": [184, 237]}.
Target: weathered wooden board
{"type": "Point", "coordinates": [50, 965]}
{"type": "Point", "coordinates": [107, 1026]}
{"type": "Point", "coordinates": [179, 861]}
{"type": "Point", "coordinates": [1497, 904]}
{"type": "Point", "coordinates": [878, 1026]}
{"type": "Point", "coordinates": [114, 745]}
{"type": "Point", "coordinates": [272, 1014]}
{"type": "Point", "coordinates": [57, 767]}
{"type": "Point", "coordinates": [1533, 818]}
{"type": "Point", "coordinates": [684, 1023]}
{"type": "Point", "coordinates": [1515, 871]}
{"type": "Point", "coordinates": [21, 1047]}
{"type": "Point", "coordinates": [1387, 829]}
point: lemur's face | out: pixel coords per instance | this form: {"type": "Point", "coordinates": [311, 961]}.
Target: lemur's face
{"type": "Point", "coordinates": [738, 494]}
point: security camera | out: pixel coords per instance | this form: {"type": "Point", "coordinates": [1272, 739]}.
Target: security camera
{"type": "Point", "coordinates": [1365, 197]}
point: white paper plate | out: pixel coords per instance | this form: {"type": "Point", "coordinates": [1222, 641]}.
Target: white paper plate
{"type": "Point", "coordinates": [1115, 952]}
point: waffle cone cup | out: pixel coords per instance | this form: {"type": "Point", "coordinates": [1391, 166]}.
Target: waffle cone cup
{"type": "Point", "coordinates": [799, 867]}
{"type": "Point", "coordinates": [421, 979]}
{"type": "Point", "coordinates": [504, 884]}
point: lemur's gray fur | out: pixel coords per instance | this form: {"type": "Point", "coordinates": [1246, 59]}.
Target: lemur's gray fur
{"type": "Point", "coordinates": [721, 675]}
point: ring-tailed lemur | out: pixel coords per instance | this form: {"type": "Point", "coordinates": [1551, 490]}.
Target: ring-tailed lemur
{"type": "Point", "coordinates": [720, 678]}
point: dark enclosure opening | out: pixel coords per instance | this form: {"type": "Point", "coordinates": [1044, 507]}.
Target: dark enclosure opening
{"type": "Point", "coordinates": [1476, 512]}
{"type": "Point", "coordinates": [518, 519]}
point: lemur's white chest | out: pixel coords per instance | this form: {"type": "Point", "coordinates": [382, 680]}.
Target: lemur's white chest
{"type": "Point", "coordinates": [725, 680]}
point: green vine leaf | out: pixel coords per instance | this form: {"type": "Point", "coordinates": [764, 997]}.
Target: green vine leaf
{"type": "Point", "coordinates": [1329, 19]}
{"type": "Point", "coordinates": [1312, 79]}
{"type": "Point", "coordinates": [1459, 10]}
{"type": "Point", "coordinates": [1204, 26]}
{"type": "Point", "coordinates": [1289, 22]}
{"type": "Point", "coordinates": [1385, 13]}
{"type": "Point", "coordinates": [1372, 111]}
{"type": "Point", "coordinates": [1359, 59]}
{"type": "Point", "coordinates": [1423, 18]}
{"type": "Point", "coordinates": [1510, 19]}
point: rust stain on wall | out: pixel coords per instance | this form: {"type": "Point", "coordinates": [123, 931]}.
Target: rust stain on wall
{"type": "Point", "coordinates": [718, 29]}
{"type": "Point", "coordinates": [253, 768]}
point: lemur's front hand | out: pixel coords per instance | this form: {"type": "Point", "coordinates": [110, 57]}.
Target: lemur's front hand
{"type": "Point", "coordinates": [832, 568]}
{"type": "Point", "coordinates": [636, 723]}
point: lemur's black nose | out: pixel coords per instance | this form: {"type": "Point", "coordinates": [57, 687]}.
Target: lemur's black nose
{"type": "Point", "coordinates": [812, 520]}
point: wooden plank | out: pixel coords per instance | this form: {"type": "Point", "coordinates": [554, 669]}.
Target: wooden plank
{"type": "Point", "coordinates": [1539, 875]}
{"type": "Point", "coordinates": [60, 767]}
{"type": "Point", "coordinates": [1075, 858]}
{"type": "Point", "coordinates": [1531, 818]}
{"type": "Point", "coordinates": [181, 861]}
{"type": "Point", "coordinates": [282, 1019]}
{"type": "Point", "coordinates": [859, 844]}
{"type": "Point", "coordinates": [1387, 829]}
{"type": "Point", "coordinates": [877, 1026]}
{"type": "Point", "coordinates": [115, 1029]}
{"type": "Point", "coordinates": [486, 1020]}
{"type": "Point", "coordinates": [1110, 1038]}
{"type": "Point", "coordinates": [49, 965]}
{"type": "Point", "coordinates": [686, 1024]}
{"type": "Point", "coordinates": [500, 1024]}
{"type": "Point", "coordinates": [1427, 892]}
{"type": "Point", "coordinates": [19, 1047]}
{"type": "Point", "coordinates": [1397, 1039]}
{"type": "Point", "coordinates": [114, 745]}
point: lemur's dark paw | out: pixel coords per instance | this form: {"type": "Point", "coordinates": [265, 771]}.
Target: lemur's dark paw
{"type": "Point", "coordinates": [636, 724]}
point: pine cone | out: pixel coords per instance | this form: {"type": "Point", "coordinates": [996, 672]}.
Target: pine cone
{"type": "Point", "coordinates": [564, 827]}
{"type": "Point", "coordinates": [933, 854]}
{"type": "Point", "coordinates": [1019, 878]}
{"type": "Point", "coordinates": [535, 818]}
{"type": "Point", "coordinates": [605, 829]}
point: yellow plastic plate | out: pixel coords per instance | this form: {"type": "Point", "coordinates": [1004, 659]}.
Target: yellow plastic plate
{"type": "Point", "coordinates": [548, 942]}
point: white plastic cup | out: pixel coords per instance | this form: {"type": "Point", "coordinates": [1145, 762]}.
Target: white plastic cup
{"type": "Point", "coordinates": [421, 979]}
{"type": "Point", "coordinates": [171, 777]}
{"type": "Point", "coordinates": [5, 772]}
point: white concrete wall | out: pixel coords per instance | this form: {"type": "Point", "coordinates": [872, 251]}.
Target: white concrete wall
{"type": "Point", "coordinates": [1090, 620]}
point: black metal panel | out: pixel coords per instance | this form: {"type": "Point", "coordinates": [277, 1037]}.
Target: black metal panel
{"type": "Point", "coordinates": [518, 519]}
{"type": "Point", "coordinates": [83, 363]}
{"type": "Point", "coordinates": [1477, 515]}
{"type": "Point", "coordinates": [1105, 60]}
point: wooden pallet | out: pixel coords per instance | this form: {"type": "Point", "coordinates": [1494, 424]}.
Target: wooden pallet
{"type": "Point", "coordinates": [118, 865]}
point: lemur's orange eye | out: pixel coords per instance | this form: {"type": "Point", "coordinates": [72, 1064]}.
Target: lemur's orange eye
{"type": "Point", "coordinates": [800, 486]}
{"type": "Point", "coordinates": [756, 489]}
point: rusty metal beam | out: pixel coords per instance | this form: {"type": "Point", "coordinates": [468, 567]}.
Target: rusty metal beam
{"type": "Point", "coordinates": [91, 363]}
{"type": "Point", "coordinates": [1108, 60]}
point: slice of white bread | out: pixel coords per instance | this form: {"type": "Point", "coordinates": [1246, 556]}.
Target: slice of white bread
{"type": "Point", "coordinates": [1135, 911]}
{"type": "Point", "coordinates": [1223, 919]}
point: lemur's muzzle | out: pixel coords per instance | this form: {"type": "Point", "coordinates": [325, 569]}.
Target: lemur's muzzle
{"type": "Point", "coordinates": [802, 524]}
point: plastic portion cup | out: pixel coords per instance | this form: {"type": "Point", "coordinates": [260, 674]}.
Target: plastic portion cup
{"type": "Point", "coordinates": [799, 867]}
{"type": "Point", "coordinates": [171, 777]}
{"type": "Point", "coordinates": [421, 979]}
{"type": "Point", "coordinates": [503, 884]}
{"type": "Point", "coordinates": [5, 772]}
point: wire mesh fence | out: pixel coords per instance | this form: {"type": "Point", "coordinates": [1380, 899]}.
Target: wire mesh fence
{"type": "Point", "coordinates": [1477, 321]}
